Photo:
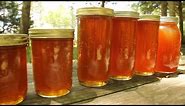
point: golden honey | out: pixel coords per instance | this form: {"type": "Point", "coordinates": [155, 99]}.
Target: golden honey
{"type": "Point", "coordinates": [13, 70]}
{"type": "Point", "coordinates": [52, 54]}
{"type": "Point", "coordinates": [146, 44]}
{"type": "Point", "coordinates": [123, 45]}
{"type": "Point", "coordinates": [169, 44]}
{"type": "Point", "coordinates": [94, 40]}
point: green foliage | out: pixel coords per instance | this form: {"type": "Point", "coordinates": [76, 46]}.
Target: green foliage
{"type": "Point", "coordinates": [152, 7]}
{"type": "Point", "coordinates": [29, 54]}
{"type": "Point", "coordinates": [183, 10]}
{"type": "Point", "coordinates": [75, 53]}
{"type": "Point", "coordinates": [61, 18]}
{"type": "Point", "coordinates": [147, 7]}
{"type": "Point", "coordinates": [9, 17]}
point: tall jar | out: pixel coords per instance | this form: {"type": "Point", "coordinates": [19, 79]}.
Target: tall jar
{"type": "Point", "coordinates": [169, 44]}
{"type": "Point", "coordinates": [94, 33]}
{"type": "Point", "coordinates": [52, 54]}
{"type": "Point", "coordinates": [123, 45]}
{"type": "Point", "coordinates": [13, 69]}
{"type": "Point", "coordinates": [146, 44]}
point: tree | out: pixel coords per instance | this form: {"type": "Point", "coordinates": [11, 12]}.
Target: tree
{"type": "Point", "coordinates": [183, 15]}
{"type": "Point", "coordinates": [72, 17]}
{"type": "Point", "coordinates": [167, 8]}
{"type": "Point", "coordinates": [180, 18]}
{"type": "Point", "coordinates": [36, 13]}
{"type": "Point", "coordinates": [171, 7]}
{"type": "Point", "coordinates": [60, 18]}
{"type": "Point", "coordinates": [25, 18]}
{"type": "Point", "coordinates": [103, 4]}
{"type": "Point", "coordinates": [147, 7]}
{"type": "Point", "coordinates": [164, 8]}
{"type": "Point", "coordinates": [9, 17]}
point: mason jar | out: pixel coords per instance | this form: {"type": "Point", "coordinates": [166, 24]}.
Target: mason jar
{"type": "Point", "coordinates": [146, 44]}
{"type": "Point", "coordinates": [123, 45]}
{"type": "Point", "coordinates": [94, 39]}
{"type": "Point", "coordinates": [52, 54]}
{"type": "Point", "coordinates": [169, 45]}
{"type": "Point", "coordinates": [13, 68]}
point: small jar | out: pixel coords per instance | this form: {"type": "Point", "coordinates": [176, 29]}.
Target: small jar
{"type": "Point", "coordinates": [123, 45]}
{"type": "Point", "coordinates": [13, 68]}
{"type": "Point", "coordinates": [146, 44]}
{"type": "Point", "coordinates": [52, 54]}
{"type": "Point", "coordinates": [94, 33]}
{"type": "Point", "coordinates": [169, 44]}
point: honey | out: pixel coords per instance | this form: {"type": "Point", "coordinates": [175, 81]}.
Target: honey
{"type": "Point", "coordinates": [52, 54]}
{"type": "Point", "coordinates": [13, 70]}
{"type": "Point", "coordinates": [123, 45]}
{"type": "Point", "coordinates": [169, 44]}
{"type": "Point", "coordinates": [94, 40]}
{"type": "Point", "coordinates": [146, 44]}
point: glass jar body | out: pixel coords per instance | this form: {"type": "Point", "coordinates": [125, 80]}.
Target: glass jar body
{"type": "Point", "coordinates": [94, 33]}
{"type": "Point", "coordinates": [169, 44]}
{"type": "Point", "coordinates": [13, 74]}
{"type": "Point", "coordinates": [122, 48]}
{"type": "Point", "coordinates": [52, 66]}
{"type": "Point", "coordinates": [146, 47]}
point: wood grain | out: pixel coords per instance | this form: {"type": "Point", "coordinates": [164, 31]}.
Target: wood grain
{"type": "Point", "coordinates": [168, 89]}
{"type": "Point", "coordinates": [80, 93]}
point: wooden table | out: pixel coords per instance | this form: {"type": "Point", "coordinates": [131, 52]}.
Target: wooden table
{"type": "Point", "coordinates": [139, 90]}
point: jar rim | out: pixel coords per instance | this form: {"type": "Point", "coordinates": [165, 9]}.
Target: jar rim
{"type": "Point", "coordinates": [150, 17]}
{"type": "Point", "coordinates": [95, 11]}
{"type": "Point", "coordinates": [131, 14]}
{"type": "Point", "coordinates": [169, 19]}
{"type": "Point", "coordinates": [51, 33]}
{"type": "Point", "coordinates": [13, 39]}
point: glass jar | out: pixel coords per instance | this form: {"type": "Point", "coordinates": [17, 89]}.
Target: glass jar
{"type": "Point", "coordinates": [52, 54]}
{"type": "Point", "coordinates": [169, 44]}
{"type": "Point", "coordinates": [123, 45]}
{"type": "Point", "coordinates": [94, 33]}
{"type": "Point", "coordinates": [13, 68]}
{"type": "Point", "coordinates": [146, 44]}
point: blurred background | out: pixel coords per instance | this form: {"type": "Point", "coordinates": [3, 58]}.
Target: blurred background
{"type": "Point", "coordinates": [19, 16]}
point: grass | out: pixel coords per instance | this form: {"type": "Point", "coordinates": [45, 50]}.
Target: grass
{"type": "Point", "coordinates": [28, 54]}
{"type": "Point", "coordinates": [75, 55]}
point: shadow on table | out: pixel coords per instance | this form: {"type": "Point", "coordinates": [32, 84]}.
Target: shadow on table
{"type": "Point", "coordinates": [168, 75]}
{"type": "Point", "coordinates": [120, 85]}
{"type": "Point", "coordinates": [80, 93]}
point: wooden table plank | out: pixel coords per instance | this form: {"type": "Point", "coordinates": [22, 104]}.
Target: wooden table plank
{"type": "Point", "coordinates": [167, 91]}
{"type": "Point", "coordinates": [80, 93]}
{"type": "Point", "coordinates": [138, 90]}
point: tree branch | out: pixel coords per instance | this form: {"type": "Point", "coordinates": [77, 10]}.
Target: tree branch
{"type": "Point", "coordinates": [103, 4]}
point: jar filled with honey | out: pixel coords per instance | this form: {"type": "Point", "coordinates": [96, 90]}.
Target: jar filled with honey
{"type": "Point", "coordinates": [123, 45]}
{"type": "Point", "coordinates": [169, 44]}
{"type": "Point", "coordinates": [94, 39]}
{"type": "Point", "coordinates": [146, 44]}
{"type": "Point", "coordinates": [13, 68]}
{"type": "Point", "coordinates": [52, 54]}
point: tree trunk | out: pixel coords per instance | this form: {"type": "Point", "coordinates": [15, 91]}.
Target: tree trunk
{"type": "Point", "coordinates": [103, 4]}
{"type": "Point", "coordinates": [171, 7]}
{"type": "Point", "coordinates": [180, 19]}
{"type": "Point", "coordinates": [25, 18]}
{"type": "Point", "coordinates": [164, 8]}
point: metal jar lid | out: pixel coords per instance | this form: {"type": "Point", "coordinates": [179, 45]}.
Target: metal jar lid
{"type": "Point", "coordinates": [51, 33]}
{"type": "Point", "coordinates": [13, 39]}
{"type": "Point", "coordinates": [95, 11]}
{"type": "Point", "coordinates": [150, 17]}
{"type": "Point", "coordinates": [130, 14]}
{"type": "Point", "coordinates": [169, 19]}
